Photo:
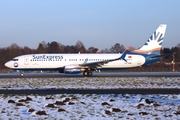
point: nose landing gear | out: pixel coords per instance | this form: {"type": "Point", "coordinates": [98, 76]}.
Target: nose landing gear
{"type": "Point", "coordinates": [21, 74]}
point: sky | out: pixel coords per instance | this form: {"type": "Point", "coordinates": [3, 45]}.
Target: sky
{"type": "Point", "coordinates": [97, 23]}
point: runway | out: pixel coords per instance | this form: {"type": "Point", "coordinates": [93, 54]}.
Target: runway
{"type": "Point", "coordinates": [91, 91]}
{"type": "Point", "coordinates": [96, 74]}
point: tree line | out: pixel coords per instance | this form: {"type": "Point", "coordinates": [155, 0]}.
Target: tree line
{"type": "Point", "coordinates": [14, 50]}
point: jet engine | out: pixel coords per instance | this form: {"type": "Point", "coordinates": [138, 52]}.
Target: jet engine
{"type": "Point", "coordinates": [72, 69]}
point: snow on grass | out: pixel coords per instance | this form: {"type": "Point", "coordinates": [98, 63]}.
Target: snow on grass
{"type": "Point", "coordinates": [90, 83]}
{"type": "Point", "coordinates": [90, 106]}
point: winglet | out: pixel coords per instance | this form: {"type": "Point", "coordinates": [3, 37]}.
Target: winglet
{"type": "Point", "coordinates": [128, 48]}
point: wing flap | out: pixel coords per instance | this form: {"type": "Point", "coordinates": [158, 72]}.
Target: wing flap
{"type": "Point", "coordinates": [98, 63]}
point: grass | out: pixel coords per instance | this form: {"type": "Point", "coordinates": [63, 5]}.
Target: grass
{"type": "Point", "coordinates": [63, 96]}
{"type": "Point", "coordinates": [5, 96]}
{"type": "Point", "coordinates": [81, 111]}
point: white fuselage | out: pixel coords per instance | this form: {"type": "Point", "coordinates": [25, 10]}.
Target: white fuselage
{"type": "Point", "coordinates": [53, 61]}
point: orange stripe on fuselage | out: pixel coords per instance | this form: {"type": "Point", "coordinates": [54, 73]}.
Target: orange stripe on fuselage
{"type": "Point", "coordinates": [142, 51]}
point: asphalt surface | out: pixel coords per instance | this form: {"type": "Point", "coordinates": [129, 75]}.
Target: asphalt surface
{"type": "Point", "coordinates": [104, 74]}
{"type": "Point", "coordinates": [92, 91]}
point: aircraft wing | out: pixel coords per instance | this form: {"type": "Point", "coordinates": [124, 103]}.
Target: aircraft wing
{"type": "Point", "coordinates": [100, 63]}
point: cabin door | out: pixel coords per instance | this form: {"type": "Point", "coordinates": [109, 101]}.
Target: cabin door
{"type": "Point", "coordinates": [26, 61]}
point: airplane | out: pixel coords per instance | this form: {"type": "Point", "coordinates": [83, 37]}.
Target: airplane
{"type": "Point", "coordinates": [88, 63]}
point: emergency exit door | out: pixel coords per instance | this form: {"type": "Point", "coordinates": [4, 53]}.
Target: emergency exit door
{"type": "Point", "coordinates": [138, 60]}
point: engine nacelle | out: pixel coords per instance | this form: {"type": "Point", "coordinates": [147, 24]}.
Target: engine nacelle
{"type": "Point", "coordinates": [72, 69]}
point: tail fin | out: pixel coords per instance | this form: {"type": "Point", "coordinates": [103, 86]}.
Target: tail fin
{"type": "Point", "coordinates": [154, 43]}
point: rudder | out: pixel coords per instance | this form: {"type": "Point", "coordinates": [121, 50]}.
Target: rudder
{"type": "Point", "coordinates": [154, 43]}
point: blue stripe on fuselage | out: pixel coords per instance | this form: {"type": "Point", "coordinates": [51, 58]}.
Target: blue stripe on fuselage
{"type": "Point", "coordinates": [150, 60]}
{"type": "Point", "coordinates": [37, 69]}
{"type": "Point", "coordinates": [147, 56]}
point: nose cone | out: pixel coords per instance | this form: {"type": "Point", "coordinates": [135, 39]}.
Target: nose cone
{"type": "Point", "coordinates": [8, 64]}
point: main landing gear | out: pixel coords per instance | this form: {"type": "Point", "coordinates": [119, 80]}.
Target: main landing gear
{"type": "Point", "coordinates": [87, 73]}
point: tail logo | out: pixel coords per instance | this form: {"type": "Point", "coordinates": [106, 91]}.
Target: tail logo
{"type": "Point", "coordinates": [155, 39]}
{"type": "Point", "coordinates": [154, 43]}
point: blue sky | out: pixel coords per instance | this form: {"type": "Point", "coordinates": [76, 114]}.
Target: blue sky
{"type": "Point", "coordinates": [98, 23]}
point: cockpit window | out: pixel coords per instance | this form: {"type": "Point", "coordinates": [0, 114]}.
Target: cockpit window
{"type": "Point", "coordinates": [15, 59]}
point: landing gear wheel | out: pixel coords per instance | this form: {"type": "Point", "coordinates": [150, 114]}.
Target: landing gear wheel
{"type": "Point", "coordinates": [21, 74]}
{"type": "Point", "coordinates": [87, 73]}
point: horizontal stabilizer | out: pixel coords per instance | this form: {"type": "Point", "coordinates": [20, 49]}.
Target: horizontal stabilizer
{"type": "Point", "coordinates": [163, 55]}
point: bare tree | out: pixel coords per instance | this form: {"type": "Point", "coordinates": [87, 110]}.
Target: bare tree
{"type": "Point", "coordinates": [92, 50]}
{"type": "Point", "coordinates": [14, 50]}
{"type": "Point", "coordinates": [80, 47]}
{"type": "Point", "coordinates": [27, 50]}
{"type": "Point", "coordinates": [41, 49]}
{"type": "Point", "coordinates": [117, 48]}
{"type": "Point", "coordinates": [54, 47]}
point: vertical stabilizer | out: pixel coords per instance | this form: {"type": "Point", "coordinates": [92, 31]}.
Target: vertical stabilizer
{"type": "Point", "coordinates": [154, 43]}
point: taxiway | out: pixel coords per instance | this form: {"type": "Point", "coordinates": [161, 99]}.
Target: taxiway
{"type": "Point", "coordinates": [103, 74]}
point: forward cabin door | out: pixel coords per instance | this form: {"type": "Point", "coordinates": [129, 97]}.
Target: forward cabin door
{"type": "Point", "coordinates": [26, 60]}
